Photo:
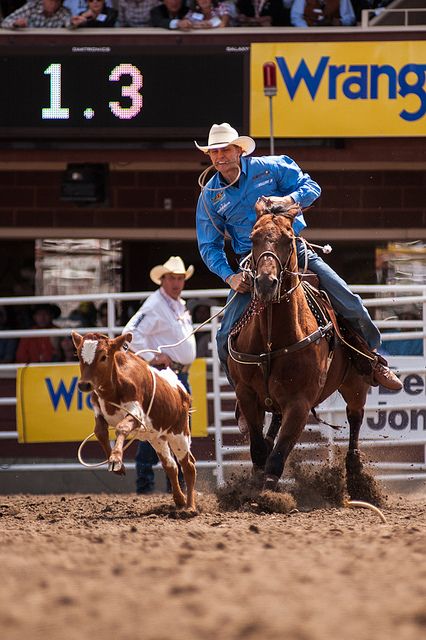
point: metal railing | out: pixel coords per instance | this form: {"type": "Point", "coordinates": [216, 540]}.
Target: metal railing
{"type": "Point", "coordinates": [409, 17]}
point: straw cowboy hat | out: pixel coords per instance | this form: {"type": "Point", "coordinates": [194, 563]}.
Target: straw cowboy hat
{"type": "Point", "coordinates": [221, 135]}
{"type": "Point", "coordinates": [173, 265]}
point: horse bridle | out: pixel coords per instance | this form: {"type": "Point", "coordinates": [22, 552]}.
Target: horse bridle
{"type": "Point", "coordinates": [283, 270]}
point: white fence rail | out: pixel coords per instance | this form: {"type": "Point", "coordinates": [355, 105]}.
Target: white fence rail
{"type": "Point", "coordinates": [402, 414]}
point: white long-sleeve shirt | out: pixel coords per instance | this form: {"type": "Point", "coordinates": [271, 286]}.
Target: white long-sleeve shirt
{"type": "Point", "coordinates": [161, 320]}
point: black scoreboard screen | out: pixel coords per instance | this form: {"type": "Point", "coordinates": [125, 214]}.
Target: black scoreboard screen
{"type": "Point", "coordinates": [115, 92]}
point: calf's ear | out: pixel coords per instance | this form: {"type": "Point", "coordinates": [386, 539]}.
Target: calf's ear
{"type": "Point", "coordinates": [76, 338]}
{"type": "Point", "coordinates": [120, 340]}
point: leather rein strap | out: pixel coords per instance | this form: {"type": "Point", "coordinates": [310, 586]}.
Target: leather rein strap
{"type": "Point", "coordinates": [259, 359]}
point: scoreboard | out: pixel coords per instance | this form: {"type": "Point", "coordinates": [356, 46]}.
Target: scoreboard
{"type": "Point", "coordinates": [122, 92]}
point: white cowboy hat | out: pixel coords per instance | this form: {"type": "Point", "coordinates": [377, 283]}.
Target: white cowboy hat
{"type": "Point", "coordinates": [173, 265]}
{"type": "Point", "coordinates": [221, 135]}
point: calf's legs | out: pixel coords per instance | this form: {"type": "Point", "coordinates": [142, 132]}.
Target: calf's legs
{"type": "Point", "coordinates": [171, 469]}
{"type": "Point", "coordinates": [122, 431]}
{"type": "Point", "coordinates": [180, 445]}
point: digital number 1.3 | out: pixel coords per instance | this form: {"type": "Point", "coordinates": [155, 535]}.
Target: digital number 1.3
{"type": "Point", "coordinates": [133, 102]}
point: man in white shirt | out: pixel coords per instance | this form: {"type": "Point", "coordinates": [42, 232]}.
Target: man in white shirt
{"type": "Point", "coordinates": [162, 320]}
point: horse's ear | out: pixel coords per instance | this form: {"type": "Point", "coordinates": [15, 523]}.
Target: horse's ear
{"type": "Point", "coordinates": [262, 206]}
{"type": "Point", "coordinates": [292, 212]}
{"type": "Point", "coordinates": [76, 338]}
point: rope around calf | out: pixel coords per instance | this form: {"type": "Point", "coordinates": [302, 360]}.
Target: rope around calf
{"type": "Point", "coordinates": [132, 435]}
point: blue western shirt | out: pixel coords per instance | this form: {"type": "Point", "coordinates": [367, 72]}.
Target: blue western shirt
{"type": "Point", "coordinates": [232, 209]}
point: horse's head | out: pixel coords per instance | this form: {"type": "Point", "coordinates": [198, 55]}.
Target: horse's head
{"type": "Point", "coordinates": [96, 357]}
{"type": "Point", "coordinates": [273, 246]}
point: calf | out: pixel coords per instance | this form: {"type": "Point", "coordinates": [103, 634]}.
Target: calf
{"type": "Point", "coordinates": [132, 397]}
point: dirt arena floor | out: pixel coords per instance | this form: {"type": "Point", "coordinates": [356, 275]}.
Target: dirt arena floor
{"type": "Point", "coordinates": [127, 567]}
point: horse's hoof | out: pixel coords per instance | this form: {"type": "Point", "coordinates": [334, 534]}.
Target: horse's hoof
{"type": "Point", "coordinates": [179, 501]}
{"type": "Point", "coordinates": [116, 466]}
{"type": "Point", "coordinates": [354, 462]}
{"type": "Point", "coordinates": [271, 483]}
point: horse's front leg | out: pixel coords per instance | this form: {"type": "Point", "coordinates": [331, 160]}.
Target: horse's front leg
{"type": "Point", "coordinates": [122, 430]}
{"type": "Point", "coordinates": [272, 432]}
{"type": "Point", "coordinates": [294, 419]}
{"type": "Point", "coordinates": [254, 415]}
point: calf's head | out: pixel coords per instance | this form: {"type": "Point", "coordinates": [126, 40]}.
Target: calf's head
{"type": "Point", "coordinates": [96, 357]}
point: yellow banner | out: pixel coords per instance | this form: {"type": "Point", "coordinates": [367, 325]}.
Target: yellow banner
{"type": "Point", "coordinates": [353, 89]}
{"type": "Point", "coordinates": [51, 408]}
{"type": "Point", "coordinates": [198, 384]}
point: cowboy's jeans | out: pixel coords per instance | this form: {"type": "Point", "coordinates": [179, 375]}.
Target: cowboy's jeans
{"type": "Point", "coordinates": [344, 302]}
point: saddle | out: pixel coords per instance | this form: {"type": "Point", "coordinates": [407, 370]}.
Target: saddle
{"type": "Point", "coordinates": [357, 349]}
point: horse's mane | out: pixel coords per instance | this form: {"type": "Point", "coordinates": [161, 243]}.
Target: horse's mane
{"type": "Point", "coordinates": [272, 224]}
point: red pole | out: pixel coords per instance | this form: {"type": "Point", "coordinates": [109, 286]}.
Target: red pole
{"type": "Point", "coordinates": [269, 79]}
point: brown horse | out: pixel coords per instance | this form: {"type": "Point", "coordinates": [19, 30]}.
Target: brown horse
{"type": "Point", "coordinates": [283, 359]}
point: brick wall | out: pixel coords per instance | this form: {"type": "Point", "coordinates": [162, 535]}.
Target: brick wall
{"type": "Point", "coordinates": [136, 199]}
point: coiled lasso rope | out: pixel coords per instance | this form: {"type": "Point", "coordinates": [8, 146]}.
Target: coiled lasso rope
{"type": "Point", "coordinates": [365, 505]}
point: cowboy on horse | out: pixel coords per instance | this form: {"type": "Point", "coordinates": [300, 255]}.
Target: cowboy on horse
{"type": "Point", "coordinates": [226, 206]}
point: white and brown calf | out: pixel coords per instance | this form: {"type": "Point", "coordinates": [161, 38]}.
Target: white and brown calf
{"type": "Point", "coordinates": [121, 386]}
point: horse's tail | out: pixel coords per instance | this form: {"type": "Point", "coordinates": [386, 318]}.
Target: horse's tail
{"type": "Point", "coordinates": [333, 426]}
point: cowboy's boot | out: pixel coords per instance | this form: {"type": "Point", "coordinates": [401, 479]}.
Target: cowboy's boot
{"type": "Point", "coordinates": [381, 374]}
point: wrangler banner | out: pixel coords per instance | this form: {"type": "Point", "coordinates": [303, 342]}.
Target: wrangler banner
{"type": "Point", "coordinates": [351, 89]}
{"type": "Point", "coordinates": [51, 408]}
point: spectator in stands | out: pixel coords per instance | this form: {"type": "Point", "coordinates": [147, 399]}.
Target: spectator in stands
{"type": "Point", "coordinates": [39, 14]}
{"type": "Point", "coordinates": [135, 13]}
{"type": "Point", "coordinates": [76, 6]}
{"type": "Point", "coordinates": [85, 314]}
{"type": "Point", "coordinates": [171, 14]}
{"type": "Point", "coordinates": [374, 7]}
{"type": "Point", "coordinates": [211, 14]}
{"type": "Point", "coordinates": [102, 315]}
{"type": "Point", "coordinates": [97, 15]}
{"type": "Point", "coordinates": [322, 13]}
{"type": "Point", "coordinates": [255, 13]}
{"type": "Point", "coordinates": [45, 348]}
{"type": "Point", "coordinates": [7, 345]}
{"type": "Point", "coordinates": [68, 352]}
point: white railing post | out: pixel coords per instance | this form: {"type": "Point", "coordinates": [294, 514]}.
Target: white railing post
{"type": "Point", "coordinates": [220, 477]}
